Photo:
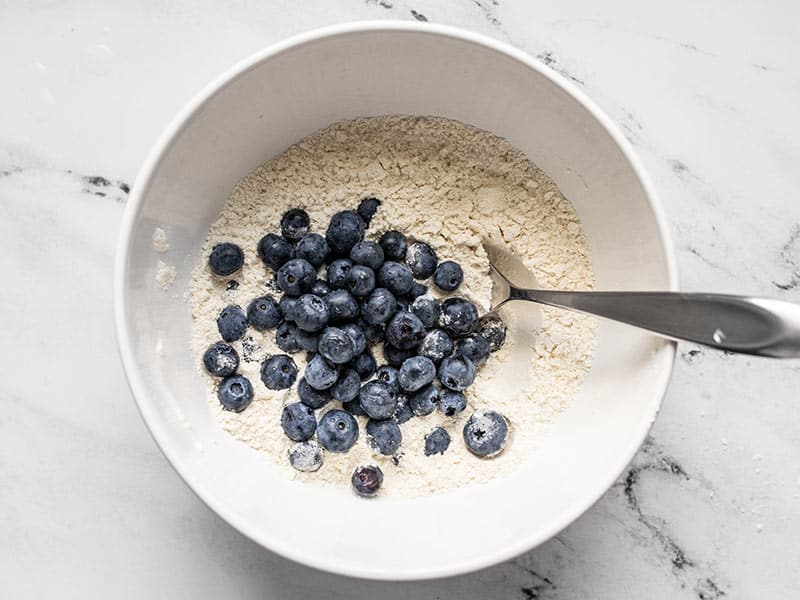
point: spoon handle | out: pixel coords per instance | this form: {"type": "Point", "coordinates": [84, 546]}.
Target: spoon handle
{"type": "Point", "coordinates": [735, 323]}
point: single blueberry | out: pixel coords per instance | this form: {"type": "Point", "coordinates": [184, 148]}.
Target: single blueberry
{"type": "Point", "coordinates": [337, 430]}
{"type": "Point", "coordinates": [311, 397]}
{"type": "Point", "coordinates": [264, 313]}
{"type": "Point", "coordinates": [313, 248]}
{"type": "Point", "coordinates": [436, 345]}
{"type": "Point", "coordinates": [298, 421]}
{"type": "Point", "coordinates": [485, 433]}
{"type": "Point", "coordinates": [308, 341]}
{"type": "Point", "coordinates": [475, 347]}
{"type": "Point", "coordinates": [384, 436]}
{"type": "Point", "coordinates": [354, 407]}
{"type": "Point", "coordinates": [379, 306]}
{"type": "Point", "coordinates": [417, 289]}
{"type": "Point", "coordinates": [395, 356]}
{"type": "Point", "coordinates": [231, 323]}
{"type": "Point", "coordinates": [286, 338]}
{"type": "Point", "coordinates": [456, 372]}
{"type": "Point", "coordinates": [306, 456]}
{"type": "Point", "coordinates": [337, 273]}
{"type": "Point", "coordinates": [343, 306]}
{"type": "Point", "coordinates": [415, 373]}
{"type": "Point", "coordinates": [225, 259]}
{"type": "Point", "coordinates": [458, 316]}
{"type": "Point", "coordinates": [321, 288]}
{"type": "Point", "coordinates": [424, 401]}
{"type": "Point", "coordinates": [405, 331]}
{"type": "Point", "coordinates": [278, 372]}
{"type": "Point", "coordinates": [287, 304]}
{"type": "Point", "coordinates": [394, 245]}
{"type": "Point", "coordinates": [368, 254]}
{"type": "Point", "coordinates": [422, 260]}
{"type": "Point", "coordinates": [347, 387]}
{"type": "Point", "coordinates": [336, 345]}
{"type": "Point", "coordinates": [427, 310]}
{"type": "Point", "coordinates": [357, 335]}
{"type": "Point", "coordinates": [221, 359]}
{"type": "Point", "coordinates": [403, 412]}
{"type": "Point", "coordinates": [388, 375]}
{"type": "Point", "coordinates": [448, 276]}
{"type": "Point", "coordinates": [493, 328]}
{"type": "Point", "coordinates": [294, 224]}
{"type": "Point", "coordinates": [378, 399]}
{"type": "Point", "coordinates": [367, 480]}
{"type": "Point", "coordinates": [364, 364]}
{"type": "Point", "coordinates": [311, 313]}
{"type": "Point", "coordinates": [274, 251]}
{"type": "Point", "coordinates": [344, 231]}
{"type": "Point", "coordinates": [395, 277]}
{"type": "Point", "coordinates": [320, 374]}
{"type": "Point", "coordinates": [367, 209]}
{"type": "Point", "coordinates": [297, 276]}
{"type": "Point", "coordinates": [373, 333]}
{"type": "Point", "coordinates": [437, 441]}
{"type": "Point", "coordinates": [451, 403]}
{"type": "Point", "coordinates": [360, 280]}
{"type": "Point", "coordinates": [235, 393]}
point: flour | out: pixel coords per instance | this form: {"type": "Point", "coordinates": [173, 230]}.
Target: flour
{"type": "Point", "coordinates": [451, 186]}
{"type": "Point", "coordinates": [165, 275]}
{"type": "Point", "coordinates": [160, 242]}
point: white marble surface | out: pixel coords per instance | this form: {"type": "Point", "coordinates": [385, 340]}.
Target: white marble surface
{"type": "Point", "coordinates": [708, 94]}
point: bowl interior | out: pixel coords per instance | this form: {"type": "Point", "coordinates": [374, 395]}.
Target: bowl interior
{"type": "Point", "coordinates": [269, 103]}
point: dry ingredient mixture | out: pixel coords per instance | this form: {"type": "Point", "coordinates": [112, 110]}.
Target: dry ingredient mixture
{"type": "Point", "coordinates": [440, 182]}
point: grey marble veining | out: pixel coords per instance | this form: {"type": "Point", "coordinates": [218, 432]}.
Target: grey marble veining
{"type": "Point", "coordinates": [707, 94]}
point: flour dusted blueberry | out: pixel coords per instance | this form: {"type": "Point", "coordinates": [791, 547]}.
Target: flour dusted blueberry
{"type": "Point", "coordinates": [231, 323]}
{"type": "Point", "coordinates": [367, 480]}
{"type": "Point", "coordinates": [294, 224]}
{"type": "Point", "coordinates": [337, 273]}
{"type": "Point", "coordinates": [235, 393]}
{"type": "Point", "coordinates": [311, 397]}
{"type": "Point", "coordinates": [368, 254]}
{"type": "Point", "coordinates": [364, 364]}
{"type": "Point", "coordinates": [475, 347]}
{"type": "Point", "coordinates": [451, 402]}
{"type": "Point", "coordinates": [345, 230]}
{"type": "Point", "coordinates": [394, 245]}
{"type": "Point", "coordinates": [405, 331]}
{"type": "Point", "coordinates": [416, 290]}
{"type": "Point", "coordinates": [378, 400]}
{"type": "Point", "coordinates": [321, 288]}
{"type": "Point", "coordinates": [486, 433]}
{"type": "Point", "coordinates": [308, 341]}
{"type": "Point", "coordinates": [436, 345]}
{"type": "Point", "coordinates": [337, 430]}
{"type": "Point", "coordinates": [296, 277]}
{"type": "Point", "coordinates": [395, 277]}
{"type": "Point", "coordinates": [367, 209]}
{"type": "Point", "coordinates": [458, 316]}
{"type": "Point", "coordinates": [278, 372]}
{"type": "Point", "coordinates": [286, 338]}
{"type": "Point", "coordinates": [493, 328]}
{"type": "Point", "coordinates": [422, 260]}
{"type": "Point", "coordinates": [379, 306]}
{"type": "Point", "coordinates": [384, 437]}
{"type": "Point", "coordinates": [448, 276]}
{"type": "Point", "coordinates": [437, 441]}
{"type": "Point", "coordinates": [395, 356]}
{"type": "Point", "coordinates": [221, 359]}
{"type": "Point", "coordinates": [336, 345]}
{"type": "Point", "coordinates": [456, 372]}
{"type": "Point", "coordinates": [388, 375]}
{"type": "Point", "coordinates": [320, 374]}
{"type": "Point", "coordinates": [264, 313]}
{"type": "Point", "coordinates": [424, 401]}
{"type": "Point", "coordinates": [225, 259]}
{"type": "Point", "coordinates": [342, 305]}
{"type": "Point", "coordinates": [357, 335]}
{"type": "Point", "coordinates": [274, 251]}
{"type": "Point", "coordinates": [403, 412]}
{"type": "Point", "coordinates": [373, 332]}
{"type": "Point", "coordinates": [306, 456]}
{"type": "Point", "coordinates": [298, 421]}
{"type": "Point", "coordinates": [347, 386]}
{"type": "Point", "coordinates": [311, 313]}
{"type": "Point", "coordinates": [313, 248]}
{"type": "Point", "coordinates": [415, 373]}
{"type": "Point", "coordinates": [360, 280]}
{"type": "Point", "coordinates": [287, 304]}
{"type": "Point", "coordinates": [426, 309]}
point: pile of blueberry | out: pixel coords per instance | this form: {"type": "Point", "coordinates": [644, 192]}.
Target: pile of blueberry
{"type": "Point", "coordinates": [371, 293]}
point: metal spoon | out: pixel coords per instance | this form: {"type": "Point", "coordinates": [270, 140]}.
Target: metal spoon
{"type": "Point", "coordinates": [742, 324]}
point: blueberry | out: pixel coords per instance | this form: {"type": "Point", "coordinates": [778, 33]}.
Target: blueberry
{"type": "Point", "coordinates": [384, 437]}
{"type": "Point", "coordinates": [221, 359]}
{"type": "Point", "coordinates": [437, 441]}
{"type": "Point", "coordinates": [388, 375]}
{"type": "Point", "coordinates": [405, 331]}
{"type": "Point", "coordinates": [415, 373]}
{"type": "Point", "coordinates": [347, 387]}
{"type": "Point", "coordinates": [424, 401]}
{"type": "Point", "coordinates": [308, 341]}
{"type": "Point", "coordinates": [286, 338]}
{"type": "Point", "coordinates": [298, 421]}
{"type": "Point", "coordinates": [231, 323]}
{"type": "Point", "coordinates": [336, 345]}
{"type": "Point", "coordinates": [373, 333]}
{"type": "Point", "coordinates": [436, 345]}
{"type": "Point", "coordinates": [367, 480]}
{"type": "Point", "coordinates": [364, 364]}
{"type": "Point", "coordinates": [474, 347]}
{"type": "Point", "coordinates": [360, 280]}
{"type": "Point", "coordinates": [274, 251]}
{"type": "Point", "coordinates": [485, 433]}
{"type": "Point", "coordinates": [225, 259]}
{"type": "Point", "coordinates": [368, 254]}
{"type": "Point", "coordinates": [311, 313]}
{"type": "Point", "coordinates": [416, 290]}
{"type": "Point", "coordinates": [395, 356]}
{"type": "Point", "coordinates": [337, 430]}
{"type": "Point", "coordinates": [321, 288]}
{"type": "Point", "coordinates": [306, 456]}
{"type": "Point", "coordinates": [456, 372]}
{"type": "Point", "coordinates": [344, 231]}
{"type": "Point", "coordinates": [264, 313]}
{"type": "Point", "coordinates": [235, 393]}
{"type": "Point", "coordinates": [422, 260]}
{"type": "Point", "coordinates": [313, 248]}
{"type": "Point", "coordinates": [403, 304]}
{"type": "Point", "coordinates": [342, 305]}
{"type": "Point", "coordinates": [320, 374]}
{"type": "Point", "coordinates": [403, 412]}
{"type": "Point", "coordinates": [394, 245]}
{"type": "Point", "coordinates": [451, 403]}
{"type": "Point", "coordinates": [458, 316]}
{"type": "Point", "coordinates": [367, 209]}
{"type": "Point", "coordinates": [427, 310]}
{"type": "Point", "coordinates": [294, 224]}
{"type": "Point", "coordinates": [311, 397]}
{"type": "Point", "coordinates": [278, 372]}
{"type": "Point", "coordinates": [357, 335]}
{"type": "Point", "coordinates": [493, 328]}
{"type": "Point", "coordinates": [395, 277]}
{"type": "Point", "coordinates": [354, 407]}
{"type": "Point", "coordinates": [378, 400]}
{"type": "Point", "coordinates": [287, 304]}
{"type": "Point", "coordinates": [337, 273]}
{"type": "Point", "coordinates": [297, 276]}
{"type": "Point", "coordinates": [448, 276]}
{"type": "Point", "coordinates": [379, 306]}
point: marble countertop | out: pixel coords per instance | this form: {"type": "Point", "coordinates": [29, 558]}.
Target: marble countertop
{"type": "Point", "coordinates": [706, 92]}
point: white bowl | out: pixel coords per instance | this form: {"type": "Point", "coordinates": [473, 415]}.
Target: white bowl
{"type": "Point", "coordinates": [254, 112]}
